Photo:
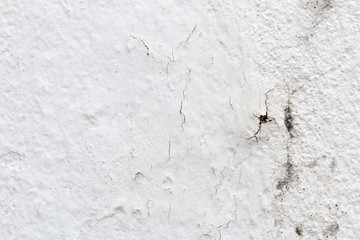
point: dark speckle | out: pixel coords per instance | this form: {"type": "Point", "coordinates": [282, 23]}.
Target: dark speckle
{"type": "Point", "coordinates": [299, 231]}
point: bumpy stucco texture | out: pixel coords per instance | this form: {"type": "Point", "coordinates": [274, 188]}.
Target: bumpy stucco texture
{"type": "Point", "coordinates": [135, 119]}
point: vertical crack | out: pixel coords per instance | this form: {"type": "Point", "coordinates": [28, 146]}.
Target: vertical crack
{"type": "Point", "coordinates": [181, 108]}
{"type": "Point", "coordinates": [169, 151]}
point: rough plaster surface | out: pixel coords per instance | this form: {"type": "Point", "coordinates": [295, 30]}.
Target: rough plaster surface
{"type": "Point", "coordinates": [131, 119]}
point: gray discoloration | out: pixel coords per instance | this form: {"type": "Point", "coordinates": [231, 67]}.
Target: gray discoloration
{"type": "Point", "coordinates": [288, 113]}
{"type": "Point", "coordinates": [289, 174]}
{"type": "Point", "coordinates": [288, 121]}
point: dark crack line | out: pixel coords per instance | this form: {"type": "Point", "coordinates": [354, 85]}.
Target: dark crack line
{"type": "Point", "coordinates": [147, 48]}
{"type": "Point", "coordinates": [188, 38]}
{"type": "Point", "coordinates": [143, 42]}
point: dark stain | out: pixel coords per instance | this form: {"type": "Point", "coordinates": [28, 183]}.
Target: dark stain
{"type": "Point", "coordinates": [299, 231]}
{"type": "Point", "coordinates": [288, 120]}
{"type": "Point", "coordinates": [289, 175]}
{"type": "Point", "coordinates": [289, 116]}
{"type": "Point", "coordinates": [281, 184]}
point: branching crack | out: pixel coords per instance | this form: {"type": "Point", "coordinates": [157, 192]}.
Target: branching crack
{"type": "Point", "coordinates": [263, 118]}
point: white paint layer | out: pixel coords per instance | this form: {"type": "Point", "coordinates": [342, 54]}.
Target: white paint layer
{"type": "Point", "coordinates": [131, 119]}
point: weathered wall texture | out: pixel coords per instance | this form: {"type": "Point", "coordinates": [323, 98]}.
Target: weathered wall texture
{"type": "Point", "coordinates": [131, 119]}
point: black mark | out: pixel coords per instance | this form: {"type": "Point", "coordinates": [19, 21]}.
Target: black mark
{"type": "Point", "coordinates": [299, 231]}
{"type": "Point", "coordinates": [289, 174]}
{"type": "Point", "coordinates": [289, 116]}
{"type": "Point", "coordinates": [289, 120]}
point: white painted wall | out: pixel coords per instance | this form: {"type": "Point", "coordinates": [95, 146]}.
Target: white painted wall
{"type": "Point", "coordinates": [130, 119]}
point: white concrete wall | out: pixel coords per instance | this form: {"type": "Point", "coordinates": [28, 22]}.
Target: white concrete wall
{"type": "Point", "coordinates": [130, 119]}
